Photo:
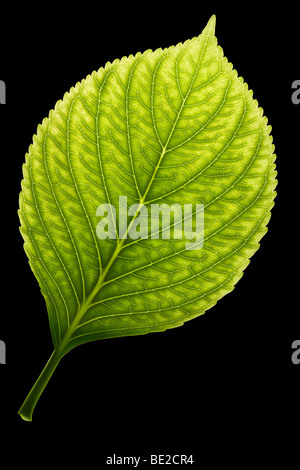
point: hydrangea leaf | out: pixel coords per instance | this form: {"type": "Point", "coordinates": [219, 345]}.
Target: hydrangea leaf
{"type": "Point", "coordinates": [173, 126]}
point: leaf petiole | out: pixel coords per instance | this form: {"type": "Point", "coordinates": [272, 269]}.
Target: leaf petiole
{"type": "Point", "coordinates": [33, 396]}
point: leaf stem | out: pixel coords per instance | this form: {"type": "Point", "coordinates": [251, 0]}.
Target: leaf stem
{"type": "Point", "coordinates": [31, 400]}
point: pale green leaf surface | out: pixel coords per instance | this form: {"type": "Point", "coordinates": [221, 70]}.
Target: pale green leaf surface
{"type": "Point", "coordinates": [177, 126]}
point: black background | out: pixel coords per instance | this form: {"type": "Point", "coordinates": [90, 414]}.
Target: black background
{"type": "Point", "coordinates": [223, 386]}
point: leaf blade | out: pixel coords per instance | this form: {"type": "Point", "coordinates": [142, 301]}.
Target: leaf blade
{"type": "Point", "coordinates": [162, 126]}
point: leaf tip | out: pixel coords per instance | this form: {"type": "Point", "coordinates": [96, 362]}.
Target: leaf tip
{"type": "Point", "coordinates": [211, 25]}
{"type": "Point", "coordinates": [208, 33]}
{"type": "Point", "coordinates": [212, 22]}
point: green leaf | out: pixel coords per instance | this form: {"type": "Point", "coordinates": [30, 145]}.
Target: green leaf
{"type": "Point", "coordinates": [174, 126]}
